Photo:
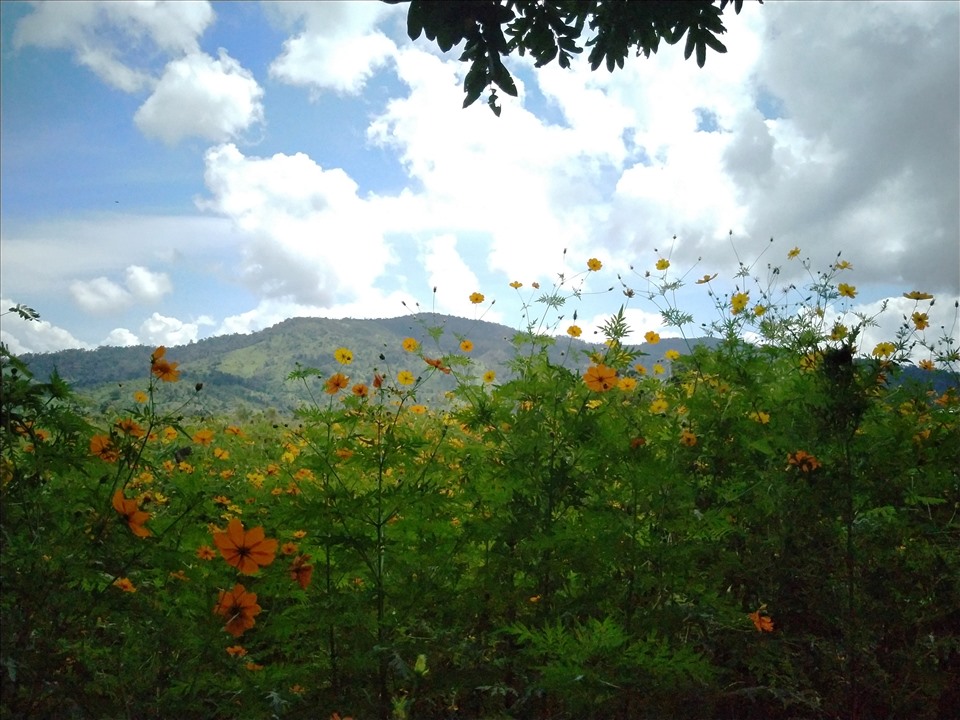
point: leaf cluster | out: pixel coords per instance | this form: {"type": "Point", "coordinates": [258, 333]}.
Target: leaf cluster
{"type": "Point", "coordinates": [557, 30]}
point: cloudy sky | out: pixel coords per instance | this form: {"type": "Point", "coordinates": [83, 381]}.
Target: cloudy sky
{"type": "Point", "coordinates": [174, 171]}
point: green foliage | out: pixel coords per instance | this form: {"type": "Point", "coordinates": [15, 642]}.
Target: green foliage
{"type": "Point", "coordinates": [768, 530]}
{"type": "Point", "coordinates": [492, 29]}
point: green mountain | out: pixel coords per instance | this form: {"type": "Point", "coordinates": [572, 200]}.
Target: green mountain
{"type": "Point", "coordinates": [248, 373]}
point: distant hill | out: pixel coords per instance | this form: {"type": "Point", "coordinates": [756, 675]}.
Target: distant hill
{"type": "Point", "coordinates": [248, 373]}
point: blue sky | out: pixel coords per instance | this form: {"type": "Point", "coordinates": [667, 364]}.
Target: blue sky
{"type": "Point", "coordinates": [174, 171]}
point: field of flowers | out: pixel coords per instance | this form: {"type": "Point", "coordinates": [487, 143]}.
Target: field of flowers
{"type": "Point", "coordinates": [758, 530]}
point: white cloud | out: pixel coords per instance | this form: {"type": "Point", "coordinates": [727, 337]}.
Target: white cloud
{"type": "Point", "coordinates": [35, 336]}
{"type": "Point", "coordinates": [452, 277]}
{"type": "Point", "coordinates": [161, 330]}
{"type": "Point", "coordinates": [308, 238]}
{"type": "Point", "coordinates": [100, 295]}
{"type": "Point", "coordinates": [339, 48]}
{"type": "Point", "coordinates": [104, 295]}
{"type": "Point", "coordinates": [69, 248]}
{"type": "Point", "coordinates": [885, 325]}
{"type": "Point", "coordinates": [121, 337]}
{"type": "Point", "coordinates": [147, 286]}
{"type": "Point", "coordinates": [199, 96]}
{"type": "Point", "coordinates": [112, 38]}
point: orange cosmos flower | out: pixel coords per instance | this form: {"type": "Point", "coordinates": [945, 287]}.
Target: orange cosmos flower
{"type": "Point", "coordinates": [360, 390]}
{"type": "Point", "coordinates": [762, 622]}
{"type": "Point", "coordinates": [163, 369]}
{"type": "Point", "coordinates": [129, 426]}
{"type": "Point", "coordinates": [239, 607]}
{"type": "Point", "coordinates": [600, 378]}
{"type": "Point", "coordinates": [125, 585]}
{"type": "Point", "coordinates": [245, 550]}
{"type": "Point", "coordinates": [103, 448]}
{"type": "Point", "coordinates": [301, 570]}
{"type": "Point", "coordinates": [803, 461]}
{"type": "Point", "coordinates": [335, 383]}
{"type": "Point", "coordinates": [438, 364]}
{"type": "Point", "coordinates": [205, 552]}
{"type": "Point", "coordinates": [134, 517]}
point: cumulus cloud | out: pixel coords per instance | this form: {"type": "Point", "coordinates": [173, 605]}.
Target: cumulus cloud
{"type": "Point", "coordinates": [193, 95]}
{"type": "Point", "coordinates": [35, 336]}
{"type": "Point", "coordinates": [339, 47]}
{"type": "Point", "coordinates": [101, 294]}
{"type": "Point", "coordinates": [199, 96]}
{"type": "Point", "coordinates": [121, 337]}
{"type": "Point", "coordinates": [161, 330]}
{"type": "Point", "coordinates": [112, 38]}
{"type": "Point", "coordinates": [308, 237]}
{"type": "Point", "coordinates": [145, 285]}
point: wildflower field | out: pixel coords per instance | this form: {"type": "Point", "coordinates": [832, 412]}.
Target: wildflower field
{"type": "Point", "coordinates": [762, 529]}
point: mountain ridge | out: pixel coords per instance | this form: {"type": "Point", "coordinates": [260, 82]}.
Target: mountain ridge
{"type": "Point", "coordinates": [251, 370]}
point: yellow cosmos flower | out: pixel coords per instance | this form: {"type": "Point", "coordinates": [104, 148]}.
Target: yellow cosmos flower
{"type": "Point", "coordinates": [663, 264]}
{"type": "Point", "coordinates": [921, 321]}
{"type": "Point", "coordinates": [489, 376]}
{"type": "Point", "coordinates": [627, 384]}
{"type": "Point", "coordinates": [410, 345]}
{"type": "Point", "coordinates": [839, 332]}
{"type": "Point", "coordinates": [140, 397]}
{"type": "Point", "coordinates": [739, 301]}
{"type": "Point", "coordinates": [760, 416]}
{"type": "Point", "coordinates": [593, 264]}
{"type": "Point", "coordinates": [651, 337]}
{"type": "Point", "coordinates": [343, 356]}
{"type": "Point", "coordinates": [926, 365]}
{"type": "Point", "coordinates": [688, 438]}
{"type": "Point", "coordinates": [476, 298]}
{"type": "Point", "coordinates": [418, 409]}
{"type": "Point", "coordinates": [884, 349]}
{"type": "Point", "coordinates": [705, 279]}
{"type": "Point", "coordinates": [671, 355]}
{"type": "Point", "coordinates": [917, 295]}
{"type": "Point", "coordinates": [847, 290]}
{"type": "Point", "coordinates": [793, 253]}
{"type": "Point", "coordinates": [466, 346]}
{"type": "Point", "coordinates": [659, 406]}
{"type": "Point", "coordinates": [405, 377]}
{"type": "Point", "coordinates": [843, 265]}
{"type": "Point", "coordinates": [658, 369]}
{"type": "Point", "coordinates": [516, 285]}
{"type": "Point", "coordinates": [203, 437]}
{"type": "Point", "coordinates": [759, 310]}
{"type": "Point", "coordinates": [574, 331]}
